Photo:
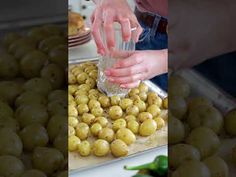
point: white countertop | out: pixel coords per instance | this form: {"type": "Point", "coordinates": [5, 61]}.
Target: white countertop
{"type": "Point", "coordinates": [116, 169]}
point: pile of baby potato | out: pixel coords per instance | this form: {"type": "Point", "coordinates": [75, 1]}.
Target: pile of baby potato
{"type": "Point", "coordinates": [99, 124]}
{"type": "Point", "coordinates": [196, 128]}
{"type": "Point", "coordinates": [33, 103]}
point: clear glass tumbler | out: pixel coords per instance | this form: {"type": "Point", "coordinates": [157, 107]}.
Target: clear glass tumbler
{"type": "Point", "coordinates": [121, 48]}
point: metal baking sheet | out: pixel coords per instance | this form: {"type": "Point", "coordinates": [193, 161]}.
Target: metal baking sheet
{"type": "Point", "coordinates": [143, 145]}
{"type": "Point", "coordinates": [200, 86]}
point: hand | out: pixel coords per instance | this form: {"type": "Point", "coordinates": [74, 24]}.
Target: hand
{"type": "Point", "coordinates": [140, 65]}
{"type": "Point", "coordinates": [106, 13]}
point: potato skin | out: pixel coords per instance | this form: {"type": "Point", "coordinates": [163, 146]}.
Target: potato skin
{"type": "Point", "coordinates": [119, 148]}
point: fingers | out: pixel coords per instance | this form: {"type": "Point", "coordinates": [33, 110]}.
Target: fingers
{"type": "Point", "coordinates": [130, 61]}
{"type": "Point", "coordinates": [120, 72]}
{"type": "Point", "coordinates": [125, 29]}
{"type": "Point", "coordinates": [131, 85]}
{"type": "Point", "coordinates": [127, 79]}
{"type": "Point", "coordinates": [97, 23]}
{"type": "Point", "coordinates": [139, 31]}
{"type": "Point", "coordinates": [109, 29]}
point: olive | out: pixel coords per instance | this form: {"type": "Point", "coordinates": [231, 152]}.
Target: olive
{"type": "Point", "coordinates": [101, 148]}
{"type": "Point", "coordinates": [119, 148]}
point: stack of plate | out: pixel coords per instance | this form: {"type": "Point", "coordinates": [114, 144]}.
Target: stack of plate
{"type": "Point", "coordinates": [83, 36]}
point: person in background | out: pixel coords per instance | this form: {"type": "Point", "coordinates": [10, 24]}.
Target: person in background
{"type": "Point", "coordinates": [150, 58]}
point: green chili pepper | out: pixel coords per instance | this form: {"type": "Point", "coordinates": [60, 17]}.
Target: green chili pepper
{"type": "Point", "coordinates": [159, 166]}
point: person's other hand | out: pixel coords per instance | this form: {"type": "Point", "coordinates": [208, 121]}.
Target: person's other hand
{"type": "Point", "coordinates": [138, 66]}
{"type": "Point", "coordinates": [106, 13]}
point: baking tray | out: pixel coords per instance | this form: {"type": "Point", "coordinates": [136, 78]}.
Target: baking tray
{"type": "Point", "coordinates": [200, 86]}
{"type": "Point", "coordinates": [77, 163]}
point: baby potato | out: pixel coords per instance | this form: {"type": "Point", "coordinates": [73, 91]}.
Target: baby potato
{"type": "Point", "coordinates": [8, 66]}
{"type": "Point", "coordinates": [160, 122]}
{"type": "Point", "coordinates": [176, 132]}
{"type": "Point", "coordinates": [95, 129]}
{"type": "Point", "coordinates": [32, 63]}
{"type": "Point", "coordinates": [93, 104]}
{"type": "Point", "coordinates": [97, 111]}
{"type": "Point", "coordinates": [88, 118]}
{"type": "Point", "coordinates": [54, 74]}
{"type": "Point", "coordinates": [148, 127]}
{"type": "Point", "coordinates": [207, 116]}
{"type": "Point", "coordinates": [93, 74]}
{"type": "Point", "coordinates": [58, 107]}
{"type": "Point", "coordinates": [133, 126]}
{"type": "Point", "coordinates": [153, 98]}
{"type": "Point", "coordinates": [205, 140]}
{"type": "Point", "coordinates": [143, 87]}
{"type": "Point", "coordinates": [49, 43]}
{"type": "Point", "coordinates": [126, 135]}
{"type": "Point", "coordinates": [141, 105]}
{"type": "Point", "coordinates": [115, 100]}
{"type": "Point", "coordinates": [134, 91]}
{"type": "Point", "coordinates": [143, 96]}
{"type": "Point", "coordinates": [84, 148]}
{"type": "Point", "coordinates": [30, 97]}
{"type": "Point", "coordinates": [193, 168]}
{"type": "Point", "coordinates": [134, 97]}
{"type": "Point", "coordinates": [82, 131]}
{"type": "Point", "coordinates": [79, 93]}
{"type": "Point", "coordinates": [11, 143]}
{"type": "Point", "coordinates": [194, 102]}
{"type": "Point", "coordinates": [84, 87]}
{"type": "Point", "coordinates": [125, 103]}
{"type": "Point", "coordinates": [82, 77]}
{"type": "Point", "coordinates": [38, 85]}
{"type": "Point", "coordinates": [10, 123]}
{"type": "Point", "coordinates": [93, 96]}
{"type": "Point", "coordinates": [154, 110]}
{"type": "Point", "coordinates": [130, 117]}
{"type": "Point", "coordinates": [217, 166]}
{"type": "Point", "coordinates": [106, 134]}
{"type": "Point", "coordinates": [165, 103]}
{"type": "Point", "coordinates": [177, 86]}
{"type": "Point", "coordinates": [71, 78]}
{"type": "Point", "coordinates": [73, 143]}
{"type": "Point", "coordinates": [102, 121]}
{"type": "Point", "coordinates": [52, 156]}
{"type": "Point", "coordinates": [181, 153]}
{"type": "Point", "coordinates": [72, 89]}
{"type": "Point", "coordinates": [56, 124]}
{"type": "Point", "coordinates": [11, 166]}
{"type": "Point", "coordinates": [132, 110]}
{"type": "Point", "coordinates": [71, 131]}
{"type": "Point", "coordinates": [34, 173]}
{"type": "Point", "coordinates": [230, 122]}
{"type": "Point", "coordinates": [93, 91]}
{"type": "Point", "coordinates": [9, 38]}
{"type": "Point", "coordinates": [101, 148]}
{"type": "Point", "coordinates": [72, 111]}
{"type": "Point", "coordinates": [118, 124]}
{"type": "Point", "coordinates": [91, 82]}
{"type": "Point", "coordinates": [105, 101]}
{"type": "Point", "coordinates": [143, 116]}
{"type": "Point", "coordinates": [82, 108]}
{"type": "Point", "coordinates": [119, 148]}
{"type": "Point", "coordinates": [234, 154]}
{"type": "Point", "coordinates": [82, 99]}
{"type": "Point", "coordinates": [5, 110]}
{"type": "Point", "coordinates": [72, 121]}
{"type": "Point", "coordinates": [115, 112]}
{"type": "Point", "coordinates": [39, 138]}
{"type": "Point", "coordinates": [178, 106]}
